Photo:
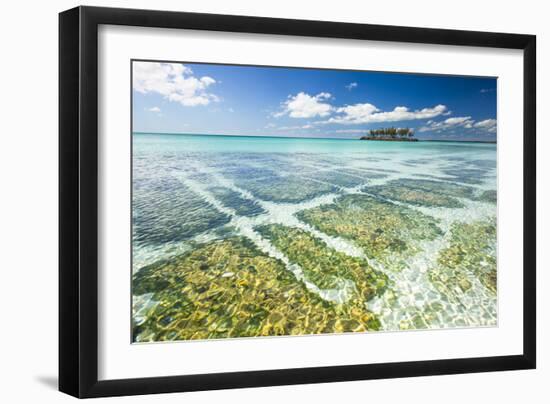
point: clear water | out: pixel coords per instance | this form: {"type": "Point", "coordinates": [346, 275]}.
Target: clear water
{"type": "Point", "coordinates": [420, 217]}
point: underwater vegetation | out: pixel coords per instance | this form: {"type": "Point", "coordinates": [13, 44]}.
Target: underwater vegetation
{"type": "Point", "coordinates": [289, 189]}
{"type": "Point", "coordinates": [324, 266]}
{"type": "Point", "coordinates": [229, 288]}
{"type": "Point", "coordinates": [379, 227]}
{"type": "Point", "coordinates": [319, 236]}
{"type": "Point", "coordinates": [471, 253]}
{"type": "Point", "coordinates": [423, 192]}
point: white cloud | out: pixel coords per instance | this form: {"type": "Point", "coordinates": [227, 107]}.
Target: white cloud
{"type": "Point", "coordinates": [350, 131]}
{"type": "Point", "coordinates": [173, 81]}
{"type": "Point", "coordinates": [351, 86]}
{"type": "Point", "coordinates": [303, 105]}
{"type": "Point", "coordinates": [296, 127]}
{"type": "Point", "coordinates": [368, 113]}
{"type": "Point", "coordinates": [490, 125]}
{"type": "Point", "coordinates": [464, 122]}
{"type": "Point", "coordinates": [449, 123]}
{"type": "Point", "coordinates": [154, 109]}
{"type": "Point", "coordinates": [457, 120]}
{"type": "Point", "coordinates": [487, 123]}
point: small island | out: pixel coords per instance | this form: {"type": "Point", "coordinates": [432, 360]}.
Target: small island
{"type": "Point", "coordinates": [391, 134]}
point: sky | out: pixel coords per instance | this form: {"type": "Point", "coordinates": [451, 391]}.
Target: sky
{"type": "Point", "coordinates": [279, 101]}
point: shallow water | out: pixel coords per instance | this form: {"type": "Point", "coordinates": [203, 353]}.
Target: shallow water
{"type": "Point", "coordinates": [251, 236]}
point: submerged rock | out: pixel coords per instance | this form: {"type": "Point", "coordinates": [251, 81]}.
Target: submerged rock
{"type": "Point", "coordinates": [324, 266]}
{"type": "Point", "coordinates": [381, 228]}
{"type": "Point", "coordinates": [288, 189]}
{"type": "Point", "coordinates": [423, 192]}
{"type": "Point", "coordinates": [261, 298]}
{"type": "Point", "coordinates": [471, 253]}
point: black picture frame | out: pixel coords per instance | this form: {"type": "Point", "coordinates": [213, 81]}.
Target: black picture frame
{"type": "Point", "coordinates": [78, 201]}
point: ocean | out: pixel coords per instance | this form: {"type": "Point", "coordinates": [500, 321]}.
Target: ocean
{"type": "Point", "coordinates": [238, 236]}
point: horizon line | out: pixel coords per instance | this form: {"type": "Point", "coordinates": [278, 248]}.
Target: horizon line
{"type": "Point", "coordinates": [300, 137]}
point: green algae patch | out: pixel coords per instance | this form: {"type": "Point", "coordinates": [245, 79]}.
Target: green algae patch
{"type": "Point", "coordinates": [380, 227]}
{"type": "Point", "coordinates": [229, 288]}
{"type": "Point", "coordinates": [423, 192]}
{"type": "Point", "coordinates": [324, 266]}
{"type": "Point", "coordinates": [288, 189]}
{"type": "Point", "coordinates": [472, 252]}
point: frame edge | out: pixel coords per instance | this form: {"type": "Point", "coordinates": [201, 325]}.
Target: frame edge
{"type": "Point", "coordinates": [529, 201]}
{"type": "Point", "coordinates": [69, 79]}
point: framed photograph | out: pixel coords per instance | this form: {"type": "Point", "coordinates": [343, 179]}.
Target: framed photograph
{"type": "Point", "coordinates": [251, 201]}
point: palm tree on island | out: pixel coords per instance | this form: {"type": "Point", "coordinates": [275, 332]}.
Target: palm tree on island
{"type": "Point", "coordinates": [391, 134]}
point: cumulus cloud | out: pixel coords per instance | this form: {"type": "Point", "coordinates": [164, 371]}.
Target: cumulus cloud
{"type": "Point", "coordinates": [368, 113]}
{"type": "Point", "coordinates": [154, 109]}
{"type": "Point", "coordinates": [457, 120]}
{"type": "Point", "coordinates": [303, 105]}
{"type": "Point", "coordinates": [462, 122]}
{"type": "Point", "coordinates": [449, 123]}
{"type": "Point", "coordinates": [174, 81]}
{"type": "Point", "coordinates": [487, 123]}
{"type": "Point", "coordinates": [490, 125]}
{"type": "Point", "coordinates": [351, 86]}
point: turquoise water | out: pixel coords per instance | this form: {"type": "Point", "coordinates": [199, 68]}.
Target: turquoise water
{"type": "Point", "coordinates": [421, 216]}
{"type": "Point", "coordinates": [264, 144]}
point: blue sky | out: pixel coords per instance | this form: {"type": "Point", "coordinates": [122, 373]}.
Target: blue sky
{"type": "Point", "coordinates": [272, 101]}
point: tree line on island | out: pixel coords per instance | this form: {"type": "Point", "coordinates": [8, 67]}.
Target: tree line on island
{"type": "Point", "coordinates": [398, 134]}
